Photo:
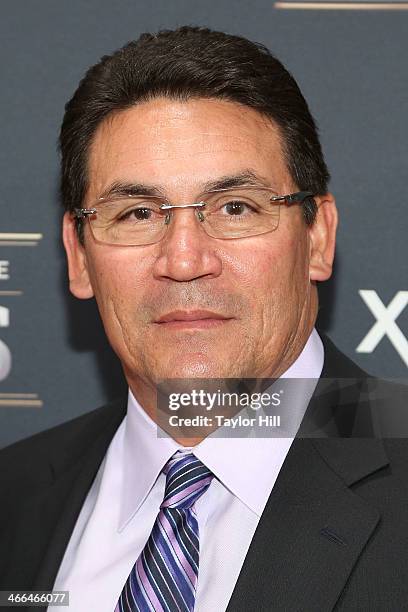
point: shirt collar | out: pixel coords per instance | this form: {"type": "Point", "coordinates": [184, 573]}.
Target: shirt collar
{"type": "Point", "coordinates": [234, 461]}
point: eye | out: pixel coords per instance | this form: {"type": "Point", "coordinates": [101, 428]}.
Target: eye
{"type": "Point", "coordinates": [238, 207]}
{"type": "Point", "coordinates": [141, 213]}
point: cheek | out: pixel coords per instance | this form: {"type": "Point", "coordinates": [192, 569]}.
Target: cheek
{"type": "Point", "coordinates": [274, 274]}
{"type": "Point", "coordinates": [270, 263]}
{"type": "Point", "coordinates": [118, 282]}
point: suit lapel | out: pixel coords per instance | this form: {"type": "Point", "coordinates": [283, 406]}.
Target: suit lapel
{"type": "Point", "coordinates": [63, 500]}
{"type": "Point", "coordinates": [68, 493]}
{"type": "Point", "coordinates": [312, 530]}
{"type": "Point", "coordinates": [314, 527]}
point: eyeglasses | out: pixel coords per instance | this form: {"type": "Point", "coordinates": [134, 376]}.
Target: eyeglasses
{"type": "Point", "coordinates": [223, 213]}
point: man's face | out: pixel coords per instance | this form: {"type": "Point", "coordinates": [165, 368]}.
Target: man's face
{"type": "Point", "coordinates": [259, 285]}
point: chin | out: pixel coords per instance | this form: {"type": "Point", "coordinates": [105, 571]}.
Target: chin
{"type": "Point", "coordinates": [195, 370]}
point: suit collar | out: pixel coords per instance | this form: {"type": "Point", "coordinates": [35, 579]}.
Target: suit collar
{"type": "Point", "coordinates": [336, 364]}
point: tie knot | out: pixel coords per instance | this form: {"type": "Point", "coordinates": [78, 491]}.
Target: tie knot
{"type": "Point", "coordinates": [186, 480]}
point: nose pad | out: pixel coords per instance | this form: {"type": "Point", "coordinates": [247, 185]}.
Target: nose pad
{"type": "Point", "coordinates": [198, 213]}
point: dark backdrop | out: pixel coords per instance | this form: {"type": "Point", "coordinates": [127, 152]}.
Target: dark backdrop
{"type": "Point", "coordinates": [352, 67]}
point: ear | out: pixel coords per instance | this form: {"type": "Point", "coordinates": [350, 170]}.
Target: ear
{"type": "Point", "coordinates": [79, 282]}
{"type": "Point", "coordinates": [323, 238]}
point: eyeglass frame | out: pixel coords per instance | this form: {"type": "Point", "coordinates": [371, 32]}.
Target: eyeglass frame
{"type": "Point", "coordinates": [299, 197]}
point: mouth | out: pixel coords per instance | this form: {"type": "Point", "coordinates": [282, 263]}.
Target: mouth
{"type": "Point", "coordinates": [192, 319]}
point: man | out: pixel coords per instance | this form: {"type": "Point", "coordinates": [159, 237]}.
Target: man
{"type": "Point", "coordinates": [198, 215]}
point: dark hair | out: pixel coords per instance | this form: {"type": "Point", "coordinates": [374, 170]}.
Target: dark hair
{"type": "Point", "coordinates": [191, 62]}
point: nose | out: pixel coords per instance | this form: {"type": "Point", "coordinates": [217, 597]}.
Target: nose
{"type": "Point", "coordinates": [186, 251]}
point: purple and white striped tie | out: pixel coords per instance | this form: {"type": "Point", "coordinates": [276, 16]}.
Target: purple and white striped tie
{"type": "Point", "coordinates": [164, 577]}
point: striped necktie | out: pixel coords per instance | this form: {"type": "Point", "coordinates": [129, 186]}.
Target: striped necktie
{"type": "Point", "coordinates": [164, 577]}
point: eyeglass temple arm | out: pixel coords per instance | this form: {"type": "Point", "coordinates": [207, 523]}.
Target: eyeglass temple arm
{"type": "Point", "coordinates": [293, 198]}
{"type": "Point", "coordinates": [82, 213]}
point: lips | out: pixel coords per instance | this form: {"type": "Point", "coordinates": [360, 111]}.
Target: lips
{"type": "Point", "coordinates": [192, 315]}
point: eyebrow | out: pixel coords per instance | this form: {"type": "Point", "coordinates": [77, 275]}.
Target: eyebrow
{"type": "Point", "coordinates": [245, 177]}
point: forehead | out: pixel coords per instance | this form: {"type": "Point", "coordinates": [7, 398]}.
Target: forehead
{"type": "Point", "coordinates": [182, 145]}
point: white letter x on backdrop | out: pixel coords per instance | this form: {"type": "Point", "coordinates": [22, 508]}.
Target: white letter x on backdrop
{"type": "Point", "coordinates": [385, 325]}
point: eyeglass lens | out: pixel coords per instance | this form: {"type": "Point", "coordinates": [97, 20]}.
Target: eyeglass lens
{"type": "Point", "coordinates": [139, 220]}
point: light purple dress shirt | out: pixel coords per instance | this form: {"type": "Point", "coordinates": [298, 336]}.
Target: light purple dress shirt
{"type": "Point", "coordinates": [122, 504]}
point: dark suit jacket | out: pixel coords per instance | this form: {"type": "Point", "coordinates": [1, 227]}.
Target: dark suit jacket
{"type": "Point", "coordinates": [333, 535]}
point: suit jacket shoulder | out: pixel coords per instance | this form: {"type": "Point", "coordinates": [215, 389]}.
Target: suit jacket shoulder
{"type": "Point", "coordinates": [29, 458]}
{"type": "Point", "coordinates": [44, 481]}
